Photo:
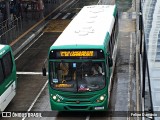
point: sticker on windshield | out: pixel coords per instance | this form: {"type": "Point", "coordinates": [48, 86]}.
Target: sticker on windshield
{"type": "Point", "coordinates": [55, 81]}
{"type": "Point", "coordinates": [74, 65]}
{"type": "Point", "coordinates": [83, 87]}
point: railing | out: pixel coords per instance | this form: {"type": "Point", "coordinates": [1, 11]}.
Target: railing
{"type": "Point", "coordinates": [10, 30]}
{"type": "Point", "coordinates": [146, 94]}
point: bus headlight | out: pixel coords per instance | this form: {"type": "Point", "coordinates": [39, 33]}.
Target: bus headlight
{"type": "Point", "coordinates": [101, 98]}
{"type": "Point", "coordinates": [54, 97]}
{"type": "Point", "coordinates": [57, 98]}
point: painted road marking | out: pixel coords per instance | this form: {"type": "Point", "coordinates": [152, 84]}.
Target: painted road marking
{"type": "Point", "coordinates": [35, 100]}
{"type": "Point", "coordinates": [57, 16]}
{"type": "Point", "coordinates": [28, 47]}
{"type": "Point", "coordinates": [131, 61]}
{"type": "Point", "coordinates": [57, 25]}
{"type": "Point", "coordinates": [88, 117]}
{"type": "Point", "coordinates": [37, 24]}
{"type": "Point", "coordinates": [66, 16]}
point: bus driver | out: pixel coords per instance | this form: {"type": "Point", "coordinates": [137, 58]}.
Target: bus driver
{"type": "Point", "coordinates": [96, 69]}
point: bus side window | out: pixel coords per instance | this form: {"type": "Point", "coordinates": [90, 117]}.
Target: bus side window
{"type": "Point", "coordinates": [107, 68]}
{"type": "Point", "coordinates": [7, 63]}
{"type": "Point", "coordinates": [1, 73]}
{"type": "Point", "coordinates": [110, 47]}
{"type": "Point", "coordinates": [113, 37]}
{"type": "Point", "coordinates": [109, 57]}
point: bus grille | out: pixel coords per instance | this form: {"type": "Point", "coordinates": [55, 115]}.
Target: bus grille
{"type": "Point", "coordinates": [78, 96]}
{"type": "Point", "coordinates": [77, 107]}
{"type": "Point", "coordinates": [74, 101]}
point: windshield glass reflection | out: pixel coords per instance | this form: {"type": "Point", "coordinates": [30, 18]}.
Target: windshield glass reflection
{"type": "Point", "coordinates": [77, 76]}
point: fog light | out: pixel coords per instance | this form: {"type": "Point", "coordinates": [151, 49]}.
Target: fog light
{"type": "Point", "coordinates": [58, 100]}
{"type": "Point", "coordinates": [97, 100]}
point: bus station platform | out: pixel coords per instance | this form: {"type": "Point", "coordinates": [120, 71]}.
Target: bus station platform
{"type": "Point", "coordinates": [20, 30]}
{"type": "Point", "coordinates": [32, 24]}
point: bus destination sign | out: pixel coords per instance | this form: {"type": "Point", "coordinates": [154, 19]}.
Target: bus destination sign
{"type": "Point", "coordinates": [76, 54]}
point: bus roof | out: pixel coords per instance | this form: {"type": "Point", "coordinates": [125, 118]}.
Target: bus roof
{"type": "Point", "coordinates": [89, 28]}
{"type": "Point", "coordinates": [1, 46]}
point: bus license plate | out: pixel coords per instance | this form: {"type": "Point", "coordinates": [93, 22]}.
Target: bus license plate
{"type": "Point", "coordinates": [99, 108]}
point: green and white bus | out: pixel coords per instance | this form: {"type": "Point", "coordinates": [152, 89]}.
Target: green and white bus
{"type": "Point", "coordinates": [90, 40]}
{"type": "Point", "coordinates": [8, 78]}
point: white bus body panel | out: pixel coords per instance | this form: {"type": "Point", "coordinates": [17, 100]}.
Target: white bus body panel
{"type": "Point", "coordinates": [2, 46]}
{"type": "Point", "coordinates": [7, 96]}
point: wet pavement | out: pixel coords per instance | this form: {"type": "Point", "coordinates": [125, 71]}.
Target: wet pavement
{"type": "Point", "coordinates": [123, 96]}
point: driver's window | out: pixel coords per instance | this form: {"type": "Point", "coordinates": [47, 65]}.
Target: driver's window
{"type": "Point", "coordinates": [107, 68]}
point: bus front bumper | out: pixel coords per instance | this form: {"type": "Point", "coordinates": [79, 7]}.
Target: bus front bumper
{"type": "Point", "coordinates": [79, 107]}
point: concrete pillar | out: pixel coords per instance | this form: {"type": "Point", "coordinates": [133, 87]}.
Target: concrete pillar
{"type": "Point", "coordinates": [7, 9]}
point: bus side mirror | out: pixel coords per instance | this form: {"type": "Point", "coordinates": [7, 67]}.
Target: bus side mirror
{"type": "Point", "coordinates": [44, 71]}
{"type": "Point", "coordinates": [110, 61]}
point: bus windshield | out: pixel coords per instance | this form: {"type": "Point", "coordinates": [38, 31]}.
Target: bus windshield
{"type": "Point", "coordinates": [77, 76]}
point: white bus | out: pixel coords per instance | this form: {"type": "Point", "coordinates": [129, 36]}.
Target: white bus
{"type": "Point", "coordinates": [8, 78]}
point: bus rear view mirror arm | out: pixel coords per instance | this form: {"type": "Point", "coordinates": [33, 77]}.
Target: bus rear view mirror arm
{"type": "Point", "coordinates": [110, 61]}
{"type": "Point", "coordinates": [44, 71]}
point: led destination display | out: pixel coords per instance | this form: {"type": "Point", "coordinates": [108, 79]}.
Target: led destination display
{"type": "Point", "coordinates": [76, 54]}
